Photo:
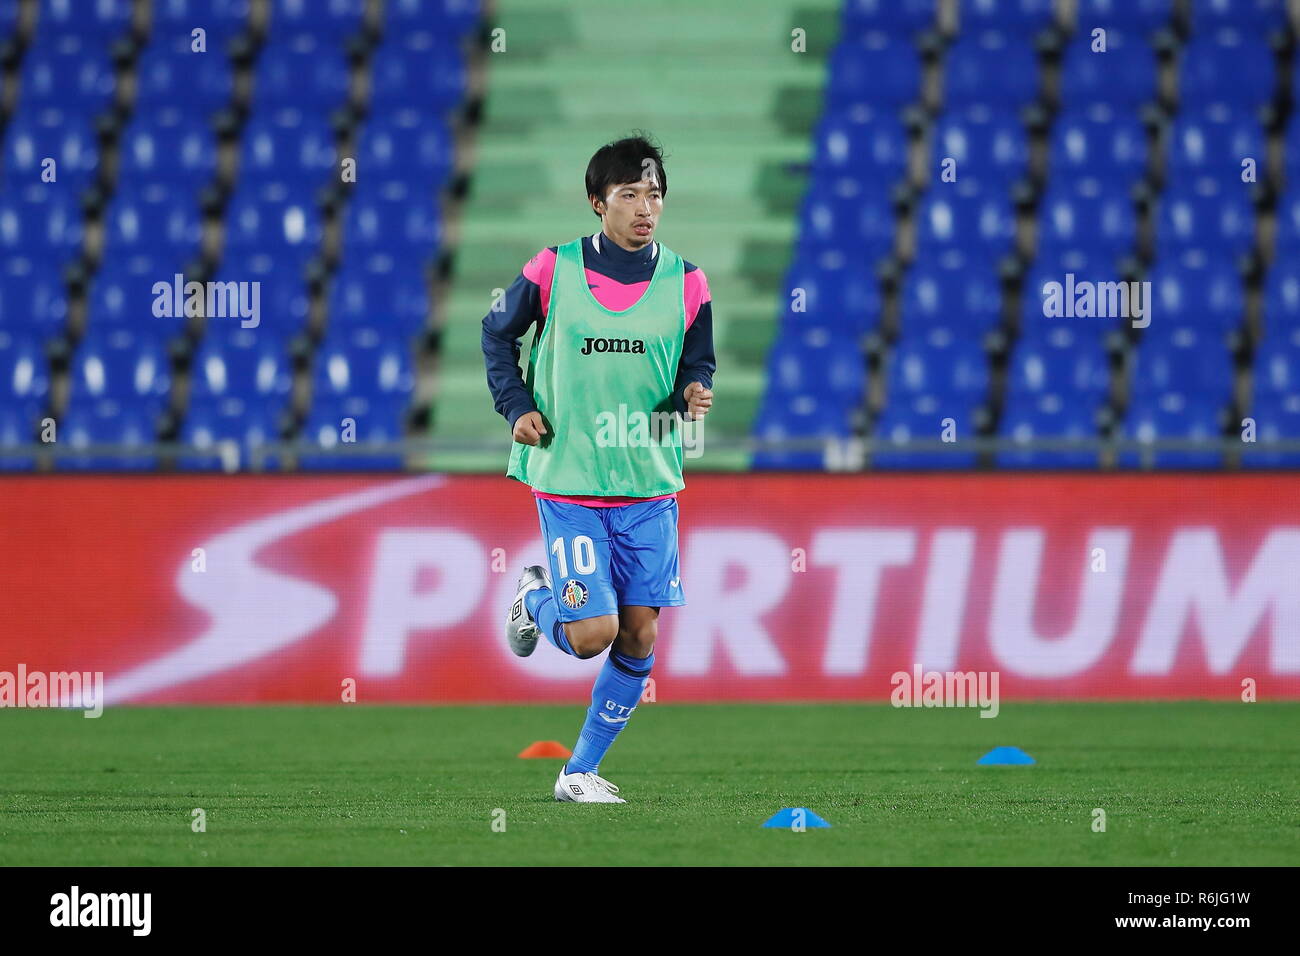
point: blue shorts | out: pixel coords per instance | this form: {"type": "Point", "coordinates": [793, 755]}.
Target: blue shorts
{"type": "Point", "coordinates": [604, 558]}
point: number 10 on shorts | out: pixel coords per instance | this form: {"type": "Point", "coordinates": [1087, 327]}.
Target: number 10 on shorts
{"type": "Point", "coordinates": [584, 555]}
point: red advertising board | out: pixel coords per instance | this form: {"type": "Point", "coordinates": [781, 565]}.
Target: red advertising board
{"type": "Point", "coordinates": [281, 588]}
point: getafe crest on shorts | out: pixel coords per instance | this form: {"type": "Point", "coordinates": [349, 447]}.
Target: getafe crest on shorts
{"type": "Point", "coordinates": [573, 594]}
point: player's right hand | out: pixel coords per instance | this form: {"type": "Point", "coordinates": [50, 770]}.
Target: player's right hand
{"type": "Point", "coordinates": [529, 428]}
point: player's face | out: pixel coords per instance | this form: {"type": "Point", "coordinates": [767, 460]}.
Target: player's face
{"type": "Point", "coordinates": [631, 212]}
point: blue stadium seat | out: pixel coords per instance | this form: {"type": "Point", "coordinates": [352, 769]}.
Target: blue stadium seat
{"type": "Point", "coordinates": [1043, 306]}
{"type": "Point", "coordinates": [1187, 361]}
{"type": "Point", "coordinates": [1282, 296]}
{"type": "Point", "coordinates": [304, 72]}
{"type": "Point", "coordinates": [289, 144]}
{"type": "Point", "coordinates": [1135, 16]}
{"type": "Point", "coordinates": [993, 68]}
{"type": "Point", "coordinates": [91, 421]}
{"type": "Point", "coordinates": [455, 18]}
{"type": "Point", "coordinates": [1098, 142]}
{"type": "Point", "coordinates": [1277, 418]}
{"type": "Point", "coordinates": [837, 295]}
{"type": "Point", "coordinates": [1277, 367]}
{"type": "Point", "coordinates": [371, 420]}
{"type": "Point", "coordinates": [1064, 360]}
{"type": "Point", "coordinates": [939, 363]}
{"type": "Point", "coordinates": [862, 144]}
{"type": "Point", "coordinates": [394, 218]}
{"type": "Point", "coordinates": [9, 16]}
{"type": "Point", "coordinates": [1122, 76]}
{"type": "Point", "coordinates": [1226, 67]}
{"type": "Point", "coordinates": [961, 216]}
{"type": "Point", "coordinates": [33, 136]}
{"type": "Point", "coordinates": [282, 297]}
{"type": "Point", "coordinates": [903, 423]}
{"type": "Point", "coordinates": [1044, 416]}
{"type": "Point", "coordinates": [410, 145]}
{"type": "Point", "coordinates": [1214, 142]}
{"type": "Point", "coordinates": [864, 228]}
{"type": "Point", "coordinates": [42, 221]}
{"type": "Point", "coordinates": [125, 364]}
{"type": "Point", "coordinates": [330, 20]}
{"type": "Point", "coordinates": [1087, 216]}
{"type": "Point", "coordinates": [245, 424]}
{"type": "Point", "coordinates": [33, 297]}
{"type": "Point", "coordinates": [1022, 18]}
{"type": "Point", "coordinates": [68, 73]}
{"type": "Point", "coordinates": [381, 293]}
{"type": "Point", "coordinates": [369, 362]}
{"type": "Point", "coordinates": [168, 147]}
{"type": "Point", "coordinates": [817, 421]}
{"type": "Point", "coordinates": [24, 375]}
{"type": "Point", "coordinates": [276, 220]}
{"type": "Point", "coordinates": [874, 68]}
{"type": "Point", "coordinates": [904, 18]}
{"type": "Point", "coordinates": [990, 147]}
{"type": "Point", "coordinates": [1172, 416]}
{"type": "Point", "coordinates": [1196, 290]}
{"type": "Point", "coordinates": [170, 75]}
{"type": "Point", "coordinates": [421, 71]}
{"type": "Point", "coordinates": [122, 295]}
{"type": "Point", "coordinates": [17, 431]}
{"type": "Point", "coordinates": [1205, 215]}
{"type": "Point", "coordinates": [815, 362]}
{"type": "Point", "coordinates": [153, 219]}
{"type": "Point", "coordinates": [1287, 246]}
{"type": "Point", "coordinates": [94, 21]}
{"type": "Point", "coordinates": [951, 290]}
{"type": "Point", "coordinates": [221, 20]}
{"type": "Point", "coordinates": [1257, 16]}
{"type": "Point", "coordinates": [242, 363]}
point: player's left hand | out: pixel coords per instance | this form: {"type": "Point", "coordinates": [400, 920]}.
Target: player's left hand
{"type": "Point", "coordinates": [698, 400]}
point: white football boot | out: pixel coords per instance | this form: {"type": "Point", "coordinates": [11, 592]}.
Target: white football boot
{"type": "Point", "coordinates": [522, 631]}
{"type": "Point", "coordinates": [585, 788]}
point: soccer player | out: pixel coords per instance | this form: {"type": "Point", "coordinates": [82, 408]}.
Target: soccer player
{"type": "Point", "coordinates": [624, 347]}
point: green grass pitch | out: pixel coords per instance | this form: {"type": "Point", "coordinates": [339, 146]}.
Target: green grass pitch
{"type": "Point", "coordinates": [1188, 783]}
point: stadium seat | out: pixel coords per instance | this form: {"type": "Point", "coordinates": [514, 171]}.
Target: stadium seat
{"type": "Point", "coordinates": [873, 68]}
{"type": "Point", "coordinates": [304, 72]}
{"type": "Point", "coordinates": [1087, 217]}
{"type": "Point", "coordinates": [454, 18]}
{"type": "Point", "coordinates": [276, 220]}
{"type": "Point", "coordinates": [1256, 16]}
{"type": "Point", "coordinates": [1098, 142]}
{"type": "Point", "coordinates": [33, 297]}
{"type": "Point", "coordinates": [154, 219]}
{"type": "Point", "coordinates": [367, 420]}
{"type": "Point", "coordinates": [1172, 416]}
{"type": "Point", "coordinates": [903, 18]}
{"type": "Point", "coordinates": [421, 71]}
{"type": "Point", "coordinates": [1205, 215]}
{"type": "Point", "coordinates": [122, 295]}
{"type": "Point", "coordinates": [1227, 67]}
{"type": "Point", "coordinates": [862, 144]}
{"type": "Point", "coordinates": [91, 421]}
{"type": "Point", "coordinates": [1064, 360]}
{"type": "Point", "coordinates": [393, 218]}
{"type": "Point", "coordinates": [290, 145]}
{"type": "Point", "coordinates": [410, 145]}
{"type": "Point", "coordinates": [171, 75]}
{"type": "Point", "coordinates": [1123, 76]}
{"type": "Point", "coordinates": [41, 220]}
{"type": "Point", "coordinates": [221, 20]}
{"type": "Point", "coordinates": [169, 147]}
{"type": "Point", "coordinates": [978, 223]}
{"type": "Point", "coordinates": [24, 375]}
{"type": "Point", "coordinates": [1195, 290]}
{"type": "Point", "coordinates": [951, 290]}
{"type": "Point", "coordinates": [34, 136]}
{"type": "Point", "coordinates": [242, 363]}
{"type": "Point", "coordinates": [17, 436]}
{"type": "Point", "coordinates": [96, 22]}
{"type": "Point", "coordinates": [1045, 416]}
{"type": "Point", "coordinates": [989, 147]}
{"type": "Point", "coordinates": [1192, 363]}
{"type": "Point", "coordinates": [366, 361]}
{"type": "Point", "coordinates": [992, 68]}
{"type": "Point", "coordinates": [1020, 18]}
{"type": "Point", "coordinates": [329, 20]}
{"type": "Point", "coordinates": [124, 364]}
{"type": "Point", "coordinates": [1282, 296]}
{"type": "Point", "coordinates": [1141, 17]}
{"type": "Point", "coordinates": [1287, 242]}
{"type": "Point", "coordinates": [68, 73]}
{"type": "Point", "coordinates": [1277, 368]}
{"type": "Point", "coordinates": [903, 423]}
{"type": "Point", "coordinates": [1214, 142]}
{"type": "Point", "coordinates": [865, 228]}
{"type": "Point", "coordinates": [820, 424]}
{"type": "Point", "coordinates": [939, 363]}
{"type": "Point", "coordinates": [836, 296]}
{"type": "Point", "coordinates": [816, 362]}
{"type": "Point", "coordinates": [282, 297]}
{"type": "Point", "coordinates": [214, 428]}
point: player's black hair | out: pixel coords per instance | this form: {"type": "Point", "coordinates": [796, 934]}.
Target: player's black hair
{"type": "Point", "coordinates": [623, 162]}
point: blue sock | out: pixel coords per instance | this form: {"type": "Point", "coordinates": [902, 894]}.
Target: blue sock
{"type": "Point", "coordinates": [541, 605]}
{"type": "Point", "coordinates": [614, 696]}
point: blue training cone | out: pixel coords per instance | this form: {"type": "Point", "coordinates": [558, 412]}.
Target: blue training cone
{"type": "Point", "coordinates": [1005, 757]}
{"type": "Point", "coordinates": [787, 817]}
